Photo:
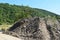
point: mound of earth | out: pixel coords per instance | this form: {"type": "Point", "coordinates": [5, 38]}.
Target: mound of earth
{"type": "Point", "coordinates": [36, 29]}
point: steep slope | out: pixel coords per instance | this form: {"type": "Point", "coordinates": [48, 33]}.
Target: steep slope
{"type": "Point", "coordinates": [11, 13]}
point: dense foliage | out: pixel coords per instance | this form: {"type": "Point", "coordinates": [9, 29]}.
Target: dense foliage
{"type": "Point", "coordinates": [11, 13]}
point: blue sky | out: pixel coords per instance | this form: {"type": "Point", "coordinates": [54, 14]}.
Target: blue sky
{"type": "Point", "coordinates": [50, 5]}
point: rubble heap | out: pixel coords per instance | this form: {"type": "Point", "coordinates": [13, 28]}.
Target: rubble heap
{"type": "Point", "coordinates": [36, 29]}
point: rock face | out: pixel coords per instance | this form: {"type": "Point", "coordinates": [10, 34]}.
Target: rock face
{"type": "Point", "coordinates": [36, 29]}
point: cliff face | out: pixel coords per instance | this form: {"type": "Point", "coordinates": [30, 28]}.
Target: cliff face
{"type": "Point", "coordinates": [36, 29]}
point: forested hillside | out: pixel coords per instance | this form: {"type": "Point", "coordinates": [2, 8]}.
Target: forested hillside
{"type": "Point", "coordinates": [11, 13]}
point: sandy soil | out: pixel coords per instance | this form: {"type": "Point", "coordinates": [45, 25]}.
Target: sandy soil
{"type": "Point", "coordinates": [7, 37]}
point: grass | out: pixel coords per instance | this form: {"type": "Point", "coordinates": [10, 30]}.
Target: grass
{"type": "Point", "coordinates": [5, 27]}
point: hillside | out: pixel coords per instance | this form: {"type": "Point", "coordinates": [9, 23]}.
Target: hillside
{"type": "Point", "coordinates": [28, 23]}
{"type": "Point", "coordinates": [11, 13]}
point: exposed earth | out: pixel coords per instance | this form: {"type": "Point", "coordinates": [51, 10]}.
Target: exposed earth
{"type": "Point", "coordinates": [7, 37]}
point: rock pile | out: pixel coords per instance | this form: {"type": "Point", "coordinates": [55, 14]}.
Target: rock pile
{"type": "Point", "coordinates": [36, 29]}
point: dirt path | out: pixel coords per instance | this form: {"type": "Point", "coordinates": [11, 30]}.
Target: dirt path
{"type": "Point", "coordinates": [7, 37]}
{"type": "Point", "coordinates": [42, 27]}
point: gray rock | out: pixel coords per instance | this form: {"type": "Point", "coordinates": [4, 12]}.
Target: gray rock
{"type": "Point", "coordinates": [36, 29]}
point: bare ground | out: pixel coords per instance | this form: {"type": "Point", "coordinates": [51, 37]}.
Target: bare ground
{"type": "Point", "coordinates": [7, 37]}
